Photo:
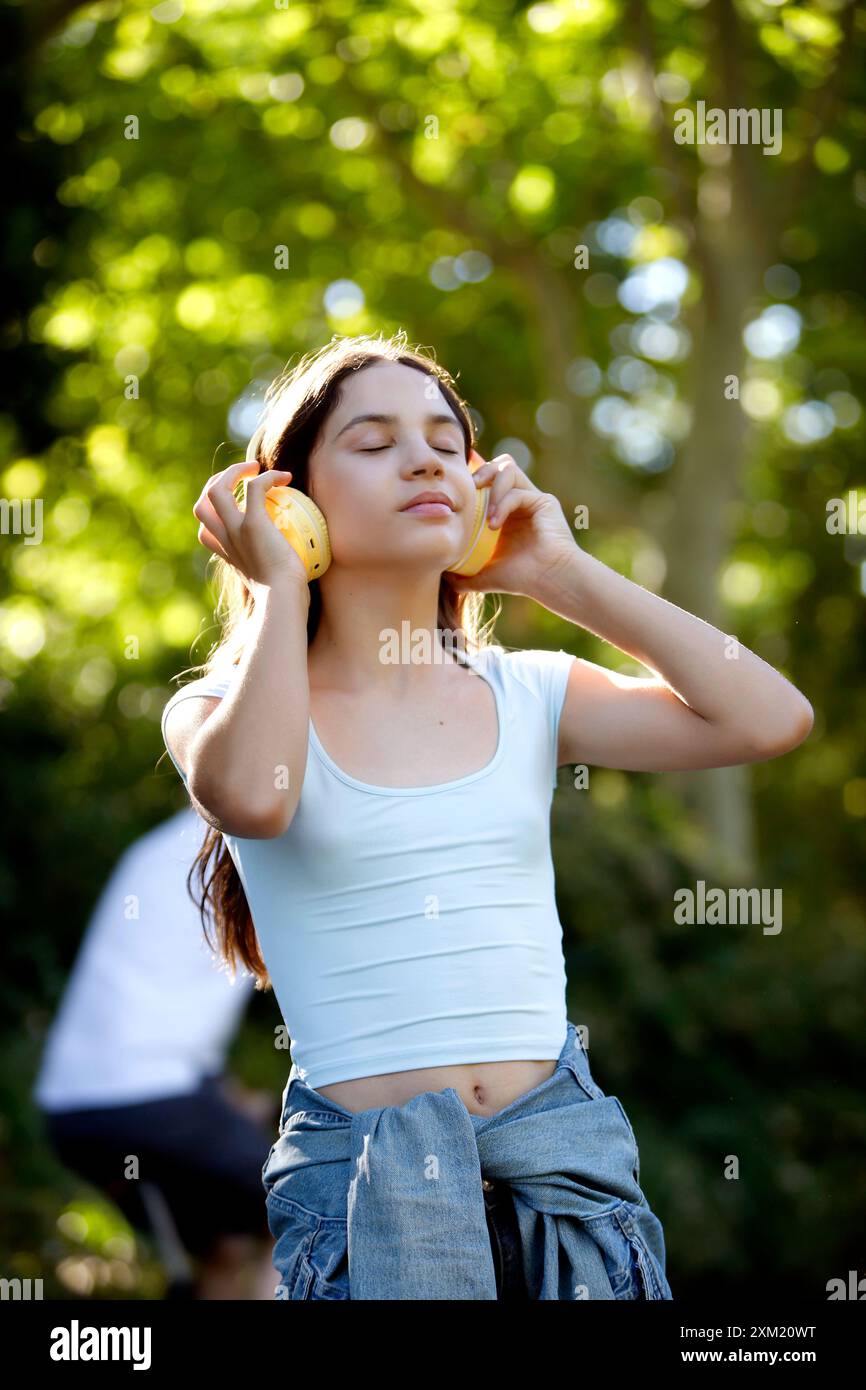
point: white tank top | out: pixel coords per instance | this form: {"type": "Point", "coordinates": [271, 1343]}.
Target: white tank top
{"type": "Point", "coordinates": [407, 927]}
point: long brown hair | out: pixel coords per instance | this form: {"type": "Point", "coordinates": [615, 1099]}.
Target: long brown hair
{"type": "Point", "coordinates": [297, 405]}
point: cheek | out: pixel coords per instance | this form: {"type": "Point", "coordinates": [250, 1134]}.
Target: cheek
{"type": "Point", "coordinates": [358, 516]}
{"type": "Point", "coordinates": [343, 496]}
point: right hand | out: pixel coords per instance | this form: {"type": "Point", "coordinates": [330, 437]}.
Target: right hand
{"type": "Point", "coordinates": [249, 540]}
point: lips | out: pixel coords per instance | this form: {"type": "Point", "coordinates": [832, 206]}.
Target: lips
{"type": "Point", "coordinates": [429, 497]}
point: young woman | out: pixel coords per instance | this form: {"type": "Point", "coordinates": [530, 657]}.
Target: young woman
{"type": "Point", "coordinates": [381, 831]}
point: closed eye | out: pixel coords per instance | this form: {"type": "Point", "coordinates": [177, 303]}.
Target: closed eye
{"type": "Point", "coordinates": [381, 447]}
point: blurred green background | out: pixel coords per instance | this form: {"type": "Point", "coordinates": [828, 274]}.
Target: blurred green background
{"type": "Point", "coordinates": [201, 189]}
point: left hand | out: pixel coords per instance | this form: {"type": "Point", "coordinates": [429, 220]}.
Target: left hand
{"type": "Point", "coordinates": [534, 532]}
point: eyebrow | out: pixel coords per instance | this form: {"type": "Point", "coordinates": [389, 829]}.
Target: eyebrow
{"type": "Point", "coordinates": [394, 419]}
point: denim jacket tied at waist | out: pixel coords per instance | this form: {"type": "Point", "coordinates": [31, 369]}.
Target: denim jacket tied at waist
{"type": "Point", "coordinates": [401, 1188]}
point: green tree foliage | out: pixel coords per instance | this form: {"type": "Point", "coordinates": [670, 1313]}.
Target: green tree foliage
{"type": "Point", "coordinates": [668, 334]}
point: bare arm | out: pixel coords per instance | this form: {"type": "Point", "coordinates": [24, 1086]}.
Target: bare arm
{"type": "Point", "coordinates": [245, 755]}
{"type": "Point", "coordinates": [712, 703]}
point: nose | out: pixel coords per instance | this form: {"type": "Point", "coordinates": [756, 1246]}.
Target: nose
{"type": "Point", "coordinates": [429, 466]}
{"type": "Point", "coordinates": [424, 459]}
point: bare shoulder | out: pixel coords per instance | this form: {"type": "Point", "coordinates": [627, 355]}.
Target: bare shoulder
{"type": "Point", "coordinates": [184, 718]}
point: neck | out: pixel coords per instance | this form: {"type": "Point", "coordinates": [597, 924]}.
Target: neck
{"type": "Point", "coordinates": [360, 612]}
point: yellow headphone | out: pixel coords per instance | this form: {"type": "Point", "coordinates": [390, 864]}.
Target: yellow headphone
{"type": "Point", "coordinates": [305, 528]}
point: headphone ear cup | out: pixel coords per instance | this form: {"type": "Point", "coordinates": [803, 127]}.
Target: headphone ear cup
{"type": "Point", "coordinates": [483, 541]}
{"type": "Point", "coordinates": [302, 524]}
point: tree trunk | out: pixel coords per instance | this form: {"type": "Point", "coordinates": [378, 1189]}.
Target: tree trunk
{"type": "Point", "coordinates": [707, 481]}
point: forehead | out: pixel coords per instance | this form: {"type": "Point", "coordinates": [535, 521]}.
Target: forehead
{"type": "Point", "coordinates": [392, 388]}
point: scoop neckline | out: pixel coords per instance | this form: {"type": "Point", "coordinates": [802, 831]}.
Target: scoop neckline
{"type": "Point", "coordinates": [456, 782]}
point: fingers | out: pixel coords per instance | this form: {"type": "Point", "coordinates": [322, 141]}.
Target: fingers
{"type": "Point", "coordinates": [227, 477]}
{"type": "Point", "coordinates": [498, 512]}
{"type": "Point", "coordinates": [494, 468]}
{"type": "Point", "coordinates": [218, 508]}
{"type": "Point", "coordinates": [211, 523]}
{"type": "Point", "coordinates": [258, 487]}
{"type": "Point", "coordinates": [216, 496]}
{"type": "Point", "coordinates": [502, 475]}
{"type": "Point", "coordinates": [209, 539]}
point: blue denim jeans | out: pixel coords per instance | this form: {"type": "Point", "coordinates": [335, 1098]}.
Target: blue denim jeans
{"type": "Point", "coordinates": [558, 1170]}
{"type": "Point", "coordinates": [504, 1232]}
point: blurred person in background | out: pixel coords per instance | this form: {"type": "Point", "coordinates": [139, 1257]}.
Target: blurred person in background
{"type": "Point", "coordinates": [134, 1068]}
